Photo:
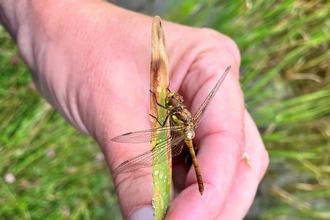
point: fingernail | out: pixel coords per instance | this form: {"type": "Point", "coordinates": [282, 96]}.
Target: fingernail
{"type": "Point", "coordinates": [144, 213]}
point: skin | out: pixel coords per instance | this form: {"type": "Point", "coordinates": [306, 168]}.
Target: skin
{"type": "Point", "coordinates": [91, 60]}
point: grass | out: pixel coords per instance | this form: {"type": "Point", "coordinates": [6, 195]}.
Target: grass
{"type": "Point", "coordinates": [58, 172]}
{"type": "Point", "coordinates": [285, 76]}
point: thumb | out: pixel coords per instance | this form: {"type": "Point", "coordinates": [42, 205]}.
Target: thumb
{"type": "Point", "coordinates": [134, 188]}
{"type": "Point", "coordinates": [135, 193]}
{"type": "Point", "coordinates": [145, 212]}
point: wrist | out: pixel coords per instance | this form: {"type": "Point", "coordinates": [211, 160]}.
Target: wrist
{"type": "Point", "coordinates": [17, 14]}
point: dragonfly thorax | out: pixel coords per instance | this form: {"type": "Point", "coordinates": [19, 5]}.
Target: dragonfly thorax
{"type": "Point", "coordinates": [181, 117]}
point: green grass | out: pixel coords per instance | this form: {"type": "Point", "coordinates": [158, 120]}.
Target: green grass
{"type": "Point", "coordinates": [56, 170]}
{"type": "Point", "coordinates": [285, 76]}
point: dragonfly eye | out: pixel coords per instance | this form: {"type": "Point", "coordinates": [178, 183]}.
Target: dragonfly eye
{"type": "Point", "coordinates": [174, 102]}
{"type": "Point", "coordinates": [169, 99]}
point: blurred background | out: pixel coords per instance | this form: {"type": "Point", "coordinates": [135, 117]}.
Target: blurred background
{"type": "Point", "coordinates": [50, 171]}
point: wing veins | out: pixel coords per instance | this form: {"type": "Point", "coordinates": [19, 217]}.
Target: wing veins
{"type": "Point", "coordinates": [144, 136]}
{"type": "Point", "coordinates": [201, 110]}
{"type": "Point", "coordinates": [145, 159]}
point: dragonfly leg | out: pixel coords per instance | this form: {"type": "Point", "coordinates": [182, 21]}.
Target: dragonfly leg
{"type": "Point", "coordinates": [156, 99]}
{"type": "Point", "coordinates": [168, 88]}
{"type": "Point", "coordinates": [161, 124]}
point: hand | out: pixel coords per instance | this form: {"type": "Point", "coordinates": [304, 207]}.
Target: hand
{"type": "Point", "coordinates": [91, 60]}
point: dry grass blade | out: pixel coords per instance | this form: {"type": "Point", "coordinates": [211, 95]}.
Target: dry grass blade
{"type": "Point", "coordinates": [159, 81]}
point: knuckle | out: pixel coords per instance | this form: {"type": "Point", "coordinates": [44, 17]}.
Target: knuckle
{"type": "Point", "coordinates": [220, 41]}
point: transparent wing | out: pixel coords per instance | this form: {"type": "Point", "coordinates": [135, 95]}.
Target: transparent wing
{"type": "Point", "coordinates": [177, 140]}
{"type": "Point", "coordinates": [144, 136]}
{"type": "Point", "coordinates": [159, 152]}
{"type": "Point", "coordinates": [200, 112]}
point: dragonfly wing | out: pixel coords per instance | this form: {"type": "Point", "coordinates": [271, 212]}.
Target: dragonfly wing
{"type": "Point", "coordinates": [160, 151]}
{"type": "Point", "coordinates": [140, 161]}
{"type": "Point", "coordinates": [144, 136]}
{"type": "Point", "coordinates": [202, 108]}
{"type": "Point", "coordinates": [177, 141]}
{"type": "Point", "coordinates": [177, 149]}
{"type": "Point", "coordinates": [152, 157]}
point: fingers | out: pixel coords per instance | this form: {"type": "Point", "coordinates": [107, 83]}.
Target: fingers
{"type": "Point", "coordinates": [221, 147]}
{"type": "Point", "coordinates": [135, 188]}
{"type": "Point", "coordinates": [218, 177]}
{"type": "Point", "coordinates": [231, 194]}
{"type": "Point", "coordinates": [135, 192]}
{"type": "Point", "coordinates": [247, 179]}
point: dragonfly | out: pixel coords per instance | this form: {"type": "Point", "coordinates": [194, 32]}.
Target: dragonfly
{"type": "Point", "coordinates": [181, 130]}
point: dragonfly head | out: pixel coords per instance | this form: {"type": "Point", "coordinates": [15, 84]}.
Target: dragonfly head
{"type": "Point", "coordinates": [173, 101]}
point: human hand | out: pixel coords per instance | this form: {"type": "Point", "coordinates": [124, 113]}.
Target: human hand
{"type": "Point", "coordinates": [90, 60]}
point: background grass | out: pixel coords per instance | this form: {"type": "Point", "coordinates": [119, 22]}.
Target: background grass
{"type": "Point", "coordinates": [59, 172]}
{"type": "Point", "coordinates": [285, 76]}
